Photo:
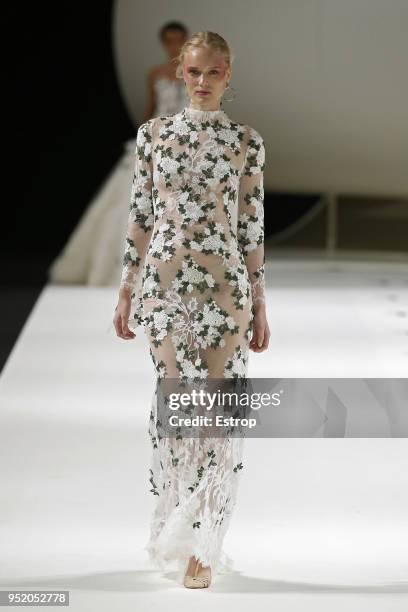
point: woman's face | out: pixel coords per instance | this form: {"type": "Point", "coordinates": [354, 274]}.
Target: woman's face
{"type": "Point", "coordinates": [172, 42]}
{"type": "Point", "coordinates": [205, 71]}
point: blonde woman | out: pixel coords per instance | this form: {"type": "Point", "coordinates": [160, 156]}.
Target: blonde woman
{"type": "Point", "coordinates": [194, 280]}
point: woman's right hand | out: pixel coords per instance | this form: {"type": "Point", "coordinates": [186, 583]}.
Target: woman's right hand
{"type": "Point", "coordinates": [121, 317]}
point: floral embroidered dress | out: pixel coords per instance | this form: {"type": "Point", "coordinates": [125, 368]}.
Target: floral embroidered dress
{"type": "Point", "coordinates": [194, 267]}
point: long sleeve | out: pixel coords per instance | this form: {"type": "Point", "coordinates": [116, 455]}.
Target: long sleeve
{"type": "Point", "coordinates": [251, 214]}
{"type": "Point", "coordinates": [140, 221]}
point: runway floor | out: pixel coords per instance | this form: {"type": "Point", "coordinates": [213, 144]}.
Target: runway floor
{"type": "Point", "coordinates": [319, 523]}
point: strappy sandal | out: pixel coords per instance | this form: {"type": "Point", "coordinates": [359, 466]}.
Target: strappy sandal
{"type": "Point", "coordinates": [197, 582]}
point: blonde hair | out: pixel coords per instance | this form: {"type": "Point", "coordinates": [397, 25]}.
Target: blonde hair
{"type": "Point", "coordinates": [211, 40]}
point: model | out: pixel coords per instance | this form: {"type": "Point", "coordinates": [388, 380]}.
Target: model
{"type": "Point", "coordinates": [93, 253]}
{"type": "Point", "coordinates": [195, 282]}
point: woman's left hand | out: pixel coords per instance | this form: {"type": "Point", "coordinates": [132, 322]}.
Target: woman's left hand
{"type": "Point", "coordinates": [260, 330]}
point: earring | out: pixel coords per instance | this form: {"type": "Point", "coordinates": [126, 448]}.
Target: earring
{"type": "Point", "coordinates": [233, 91]}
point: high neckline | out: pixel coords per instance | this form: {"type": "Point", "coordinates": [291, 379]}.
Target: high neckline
{"type": "Point", "coordinates": [197, 114]}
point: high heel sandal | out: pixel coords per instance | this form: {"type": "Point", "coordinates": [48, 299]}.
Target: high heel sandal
{"type": "Point", "coordinates": [197, 582]}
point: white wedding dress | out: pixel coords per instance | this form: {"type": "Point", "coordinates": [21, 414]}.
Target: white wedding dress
{"type": "Point", "coordinates": [94, 252]}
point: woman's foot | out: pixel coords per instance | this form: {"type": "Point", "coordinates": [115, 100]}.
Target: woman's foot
{"type": "Point", "coordinates": [197, 576]}
{"type": "Point", "coordinates": [203, 574]}
{"type": "Point", "coordinates": [191, 567]}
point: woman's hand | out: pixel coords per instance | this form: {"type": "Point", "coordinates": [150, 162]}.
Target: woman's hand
{"type": "Point", "coordinates": [260, 330]}
{"type": "Point", "coordinates": [121, 317]}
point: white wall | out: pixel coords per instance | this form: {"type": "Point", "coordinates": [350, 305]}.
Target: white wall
{"type": "Point", "coordinates": [324, 81]}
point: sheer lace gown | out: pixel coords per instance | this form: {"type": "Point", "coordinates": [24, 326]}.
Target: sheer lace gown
{"type": "Point", "coordinates": [194, 275]}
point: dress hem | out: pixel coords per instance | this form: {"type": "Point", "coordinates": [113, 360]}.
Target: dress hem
{"type": "Point", "coordinates": [178, 563]}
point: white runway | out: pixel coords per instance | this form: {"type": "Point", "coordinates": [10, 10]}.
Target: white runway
{"type": "Point", "coordinates": [320, 523]}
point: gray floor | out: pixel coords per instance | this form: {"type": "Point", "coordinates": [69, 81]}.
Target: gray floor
{"type": "Point", "coordinates": [319, 522]}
